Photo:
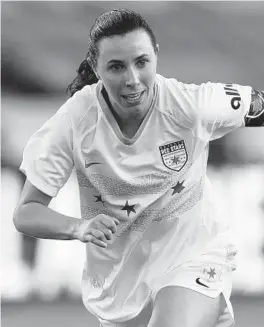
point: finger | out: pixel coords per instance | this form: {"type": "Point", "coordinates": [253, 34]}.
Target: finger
{"type": "Point", "coordinates": [92, 239]}
{"type": "Point", "coordinates": [110, 226]}
{"type": "Point", "coordinates": [99, 243]}
{"type": "Point", "coordinates": [110, 223]}
{"type": "Point", "coordinates": [109, 219]}
{"type": "Point", "coordinates": [117, 222]}
{"type": "Point", "coordinates": [107, 232]}
{"type": "Point", "coordinates": [98, 234]}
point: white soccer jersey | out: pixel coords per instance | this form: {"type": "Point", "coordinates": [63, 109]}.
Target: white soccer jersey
{"type": "Point", "coordinates": [154, 183]}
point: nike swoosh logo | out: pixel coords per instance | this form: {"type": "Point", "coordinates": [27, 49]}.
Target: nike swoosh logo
{"type": "Point", "coordinates": [200, 283]}
{"type": "Point", "coordinates": [87, 165]}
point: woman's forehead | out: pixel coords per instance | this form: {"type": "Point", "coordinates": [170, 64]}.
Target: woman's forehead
{"type": "Point", "coordinates": [120, 47]}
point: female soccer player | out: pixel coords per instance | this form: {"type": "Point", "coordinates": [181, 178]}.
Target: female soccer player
{"type": "Point", "coordinates": [158, 254]}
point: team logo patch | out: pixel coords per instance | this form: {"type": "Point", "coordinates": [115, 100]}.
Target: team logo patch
{"type": "Point", "coordinates": [95, 282]}
{"type": "Point", "coordinates": [212, 272]}
{"type": "Point", "coordinates": [174, 155]}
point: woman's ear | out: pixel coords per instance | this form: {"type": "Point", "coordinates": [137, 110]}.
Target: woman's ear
{"type": "Point", "coordinates": [157, 48]}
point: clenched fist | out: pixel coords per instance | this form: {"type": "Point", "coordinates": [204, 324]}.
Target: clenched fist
{"type": "Point", "coordinates": [97, 230]}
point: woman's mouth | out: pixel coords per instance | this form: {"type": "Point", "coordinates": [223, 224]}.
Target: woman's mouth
{"type": "Point", "coordinates": [133, 97]}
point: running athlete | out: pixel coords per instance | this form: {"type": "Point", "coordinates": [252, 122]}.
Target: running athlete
{"type": "Point", "coordinates": [158, 253]}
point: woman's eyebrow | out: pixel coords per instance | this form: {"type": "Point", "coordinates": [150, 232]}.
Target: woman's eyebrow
{"type": "Point", "coordinates": [121, 61]}
{"type": "Point", "coordinates": [114, 61]}
{"type": "Point", "coordinates": [142, 56]}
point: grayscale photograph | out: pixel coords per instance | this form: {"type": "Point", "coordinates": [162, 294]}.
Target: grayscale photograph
{"type": "Point", "coordinates": [132, 163]}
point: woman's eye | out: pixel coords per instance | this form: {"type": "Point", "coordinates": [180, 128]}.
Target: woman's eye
{"type": "Point", "coordinates": [117, 67]}
{"type": "Point", "coordinates": [141, 63]}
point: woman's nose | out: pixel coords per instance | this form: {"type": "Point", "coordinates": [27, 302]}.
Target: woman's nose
{"type": "Point", "coordinates": [132, 78]}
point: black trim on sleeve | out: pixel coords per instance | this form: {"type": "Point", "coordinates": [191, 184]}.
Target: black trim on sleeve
{"type": "Point", "coordinates": [255, 115]}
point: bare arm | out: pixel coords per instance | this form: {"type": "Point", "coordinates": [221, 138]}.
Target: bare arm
{"type": "Point", "coordinates": [255, 115]}
{"type": "Point", "coordinates": [33, 217]}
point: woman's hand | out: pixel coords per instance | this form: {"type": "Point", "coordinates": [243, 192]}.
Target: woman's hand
{"type": "Point", "coordinates": [97, 230]}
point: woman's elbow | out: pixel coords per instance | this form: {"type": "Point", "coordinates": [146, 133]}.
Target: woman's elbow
{"type": "Point", "coordinates": [18, 220]}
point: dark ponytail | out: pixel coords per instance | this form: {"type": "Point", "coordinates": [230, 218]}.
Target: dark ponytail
{"type": "Point", "coordinates": [86, 76]}
{"type": "Point", "coordinates": [111, 23]}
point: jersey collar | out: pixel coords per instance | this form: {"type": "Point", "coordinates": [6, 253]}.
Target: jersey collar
{"type": "Point", "coordinates": [112, 121]}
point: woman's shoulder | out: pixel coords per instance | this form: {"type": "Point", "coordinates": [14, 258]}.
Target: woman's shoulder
{"type": "Point", "coordinates": [173, 84]}
{"type": "Point", "coordinates": [81, 103]}
{"type": "Point", "coordinates": [175, 97]}
{"type": "Point", "coordinates": [170, 89]}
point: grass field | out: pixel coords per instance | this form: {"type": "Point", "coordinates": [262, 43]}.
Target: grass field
{"type": "Point", "coordinates": [249, 312]}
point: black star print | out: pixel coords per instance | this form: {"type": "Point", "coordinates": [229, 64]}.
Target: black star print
{"type": "Point", "coordinates": [178, 188]}
{"type": "Point", "coordinates": [99, 198]}
{"type": "Point", "coordinates": [211, 273]}
{"type": "Point", "coordinates": [175, 160]}
{"type": "Point", "coordinates": [129, 208]}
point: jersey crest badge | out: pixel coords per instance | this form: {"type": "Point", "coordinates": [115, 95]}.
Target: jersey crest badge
{"type": "Point", "coordinates": [174, 155]}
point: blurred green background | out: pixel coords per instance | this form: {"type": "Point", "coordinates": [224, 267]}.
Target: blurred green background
{"type": "Point", "coordinates": [42, 45]}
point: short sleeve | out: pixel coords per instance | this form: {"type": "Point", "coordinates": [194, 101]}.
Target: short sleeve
{"type": "Point", "coordinates": [48, 156]}
{"type": "Point", "coordinates": [213, 109]}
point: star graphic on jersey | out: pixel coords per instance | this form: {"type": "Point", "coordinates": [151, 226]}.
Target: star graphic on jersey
{"type": "Point", "coordinates": [178, 188]}
{"type": "Point", "coordinates": [211, 273]}
{"type": "Point", "coordinates": [175, 160]}
{"type": "Point", "coordinates": [99, 198]}
{"type": "Point", "coordinates": [129, 208]}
